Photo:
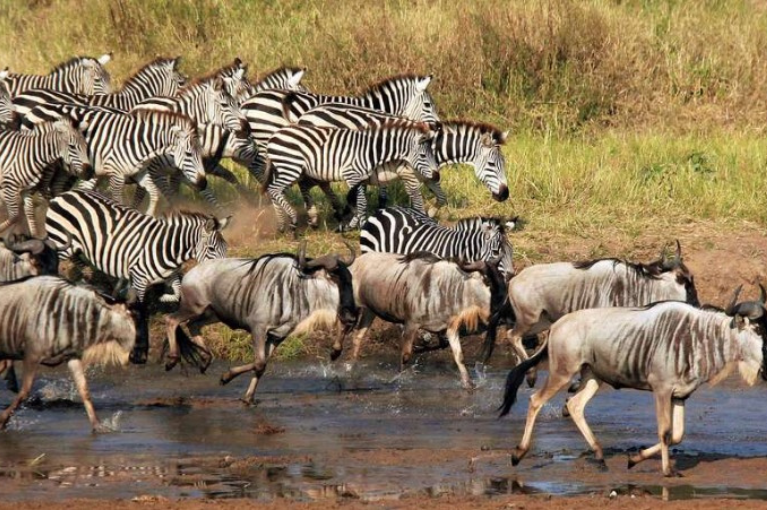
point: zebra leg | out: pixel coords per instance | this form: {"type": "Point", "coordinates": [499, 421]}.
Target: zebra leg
{"type": "Point", "coordinates": [138, 197]}
{"type": "Point", "coordinates": [29, 212]}
{"type": "Point", "coordinates": [282, 208]}
{"type": "Point", "coordinates": [90, 184]}
{"type": "Point", "coordinates": [340, 210]}
{"type": "Point", "coordinates": [362, 206]}
{"type": "Point", "coordinates": [412, 188]}
{"type": "Point", "coordinates": [30, 368]}
{"type": "Point", "coordinates": [305, 186]}
{"type": "Point", "coordinates": [435, 188]}
{"type": "Point", "coordinates": [116, 185]}
{"type": "Point", "coordinates": [11, 196]}
{"type": "Point", "coordinates": [145, 181]}
{"type": "Point", "coordinates": [76, 368]}
{"type": "Point", "coordinates": [383, 196]}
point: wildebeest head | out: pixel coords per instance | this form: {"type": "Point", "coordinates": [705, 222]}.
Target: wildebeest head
{"type": "Point", "coordinates": [683, 275]}
{"type": "Point", "coordinates": [495, 280]}
{"type": "Point", "coordinates": [336, 270]}
{"type": "Point", "coordinates": [751, 315]}
{"type": "Point", "coordinates": [41, 255]}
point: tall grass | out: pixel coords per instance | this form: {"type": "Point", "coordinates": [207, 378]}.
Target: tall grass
{"type": "Point", "coordinates": [552, 65]}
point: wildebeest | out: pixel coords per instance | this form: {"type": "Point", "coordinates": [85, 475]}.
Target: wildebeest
{"type": "Point", "coordinates": [45, 320]}
{"type": "Point", "coordinates": [31, 257]}
{"type": "Point", "coordinates": [540, 295]}
{"type": "Point", "coordinates": [670, 348]}
{"type": "Point", "coordinates": [271, 297]}
{"type": "Point", "coordinates": [423, 291]}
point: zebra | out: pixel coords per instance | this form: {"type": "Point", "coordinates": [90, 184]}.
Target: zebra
{"type": "Point", "coordinates": [216, 143]}
{"type": "Point", "coordinates": [403, 95]}
{"type": "Point", "coordinates": [235, 81]}
{"type": "Point", "coordinates": [126, 244]}
{"type": "Point", "coordinates": [457, 141]}
{"type": "Point", "coordinates": [25, 156]}
{"type": "Point", "coordinates": [205, 100]}
{"type": "Point", "coordinates": [405, 231]}
{"type": "Point", "coordinates": [157, 78]}
{"type": "Point", "coordinates": [80, 75]}
{"type": "Point", "coordinates": [342, 155]}
{"type": "Point", "coordinates": [121, 145]}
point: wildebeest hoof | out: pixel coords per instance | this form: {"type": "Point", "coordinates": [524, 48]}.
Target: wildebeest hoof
{"type": "Point", "coordinates": [225, 379]}
{"type": "Point", "coordinates": [172, 362]}
{"type": "Point", "coordinates": [673, 473]}
{"type": "Point", "coordinates": [530, 381]}
{"type": "Point", "coordinates": [101, 429]}
{"type": "Point", "coordinates": [565, 411]}
{"type": "Point", "coordinates": [631, 462]}
{"type": "Point", "coordinates": [515, 458]}
{"type": "Point", "coordinates": [600, 464]}
{"type": "Point", "coordinates": [335, 354]}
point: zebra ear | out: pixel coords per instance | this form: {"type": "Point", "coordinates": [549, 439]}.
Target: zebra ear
{"type": "Point", "coordinates": [295, 80]}
{"type": "Point", "coordinates": [176, 131]}
{"type": "Point", "coordinates": [238, 74]}
{"type": "Point", "coordinates": [4, 73]}
{"type": "Point", "coordinates": [211, 224]}
{"type": "Point", "coordinates": [421, 84]}
{"type": "Point", "coordinates": [105, 58]}
{"type": "Point", "coordinates": [504, 137]}
{"type": "Point", "coordinates": [218, 84]}
{"type": "Point", "coordinates": [487, 140]}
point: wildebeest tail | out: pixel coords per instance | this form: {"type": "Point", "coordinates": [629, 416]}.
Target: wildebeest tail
{"type": "Point", "coordinates": [190, 351]}
{"type": "Point", "coordinates": [517, 375]}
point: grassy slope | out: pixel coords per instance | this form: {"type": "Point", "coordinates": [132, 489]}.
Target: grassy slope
{"type": "Point", "coordinates": [626, 117]}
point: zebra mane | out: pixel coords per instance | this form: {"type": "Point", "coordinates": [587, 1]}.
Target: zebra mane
{"type": "Point", "coordinates": [379, 85]}
{"type": "Point", "coordinates": [158, 62]}
{"type": "Point", "coordinates": [278, 70]}
{"type": "Point", "coordinates": [651, 271]}
{"type": "Point", "coordinates": [476, 223]}
{"type": "Point", "coordinates": [390, 124]}
{"type": "Point", "coordinates": [208, 79]}
{"type": "Point", "coordinates": [230, 69]}
{"type": "Point", "coordinates": [457, 125]}
{"type": "Point", "coordinates": [74, 61]}
{"type": "Point", "coordinates": [174, 217]}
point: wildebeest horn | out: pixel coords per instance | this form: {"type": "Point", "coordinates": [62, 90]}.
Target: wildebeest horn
{"type": "Point", "coordinates": [730, 308]}
{"type": "Point", "coordinates": [751, 310]}
{"type": "Point", "coordinates": [353, 252]}
{"type": "Point", "coordinates": [33, 246]}
{"type": "Point", "coordinates": [678, 256]}
{"type": "Point", "coordinates": [65, 247]}
{"type": "Point", "coordinates": [329, 262]}
{"type": "Point", "coordinates": [762, 294]}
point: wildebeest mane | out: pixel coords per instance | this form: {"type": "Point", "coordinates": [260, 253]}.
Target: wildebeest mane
{"type": "Point", "coordinates": [426, 256]}
{"type": "Point", "coordinates": [651, 271]}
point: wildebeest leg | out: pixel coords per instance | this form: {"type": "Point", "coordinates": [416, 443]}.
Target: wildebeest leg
{"type": "Point", "coordinates": [172, 322]}
{"type": "Point", "coordinates": [576, 406]}
{"type": "Point", "coordinates": [30, 368]}
{"type": "Point", "coordinates": [258, 365]}
{"type": "Point", "coordinates": [271, 344]}
{"type": "Point", "coordinates": [555, 382]}
{"type": "Point", "coordinates": [366, 319]}
{"type": "Point", "coordinates": [677, 433]}
{"type": "Point", "coordinates": [11, 382]}
{"type": "Point", "coordinates": [455, 346]}
{"type": "Point", "coordinates": [408, 337]}
{"type": "Point", "coordinates": [515, 338]}
{"type": "Point", "coordinates": [76, 368]}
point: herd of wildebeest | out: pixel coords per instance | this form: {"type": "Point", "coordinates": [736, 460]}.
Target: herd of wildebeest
{"type": "Point", "coordinates": [68, 135]}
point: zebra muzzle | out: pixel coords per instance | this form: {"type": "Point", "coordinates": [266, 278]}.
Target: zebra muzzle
{"type": "Point", "coordinates": [502, 195]}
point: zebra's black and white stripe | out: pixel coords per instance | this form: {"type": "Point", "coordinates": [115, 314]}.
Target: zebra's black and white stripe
{"type": "Point", "coordinates": [405, 231]}
{"type": "Point", "coordinates": [404, 96]}
{"type": "Point", "coordinates": [123, 243]}
{"type": "Point", "coordinates": [79, 75]}
{"type": "Point", "coordinates": [205, 101]}
{"type": "Point", "coordinates": [159, 78]}
{"type": "Point", "coordinates": [121, 145]}
{"type": "Point", "coordinates": [329, 155]}
{"type": "Point", "coordinates": [216, 143]}
{"type": "Point", "coordinates": [25, 156]}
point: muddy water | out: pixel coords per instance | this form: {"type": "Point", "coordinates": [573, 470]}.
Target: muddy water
{"type": "Point", "coordinates": [322, 431]}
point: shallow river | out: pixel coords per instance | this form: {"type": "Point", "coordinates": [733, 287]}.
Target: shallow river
{"type": "Point", "coordinates": [322, 431]}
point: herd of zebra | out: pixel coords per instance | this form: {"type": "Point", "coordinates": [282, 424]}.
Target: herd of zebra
{"type": "Point", "coordinates": [65, 132]}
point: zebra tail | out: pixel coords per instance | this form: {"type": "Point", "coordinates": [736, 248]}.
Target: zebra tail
{"type": "Point", "coordinates": [268, 175]}
{"type": "Point", "coordinates": [517, 375]}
